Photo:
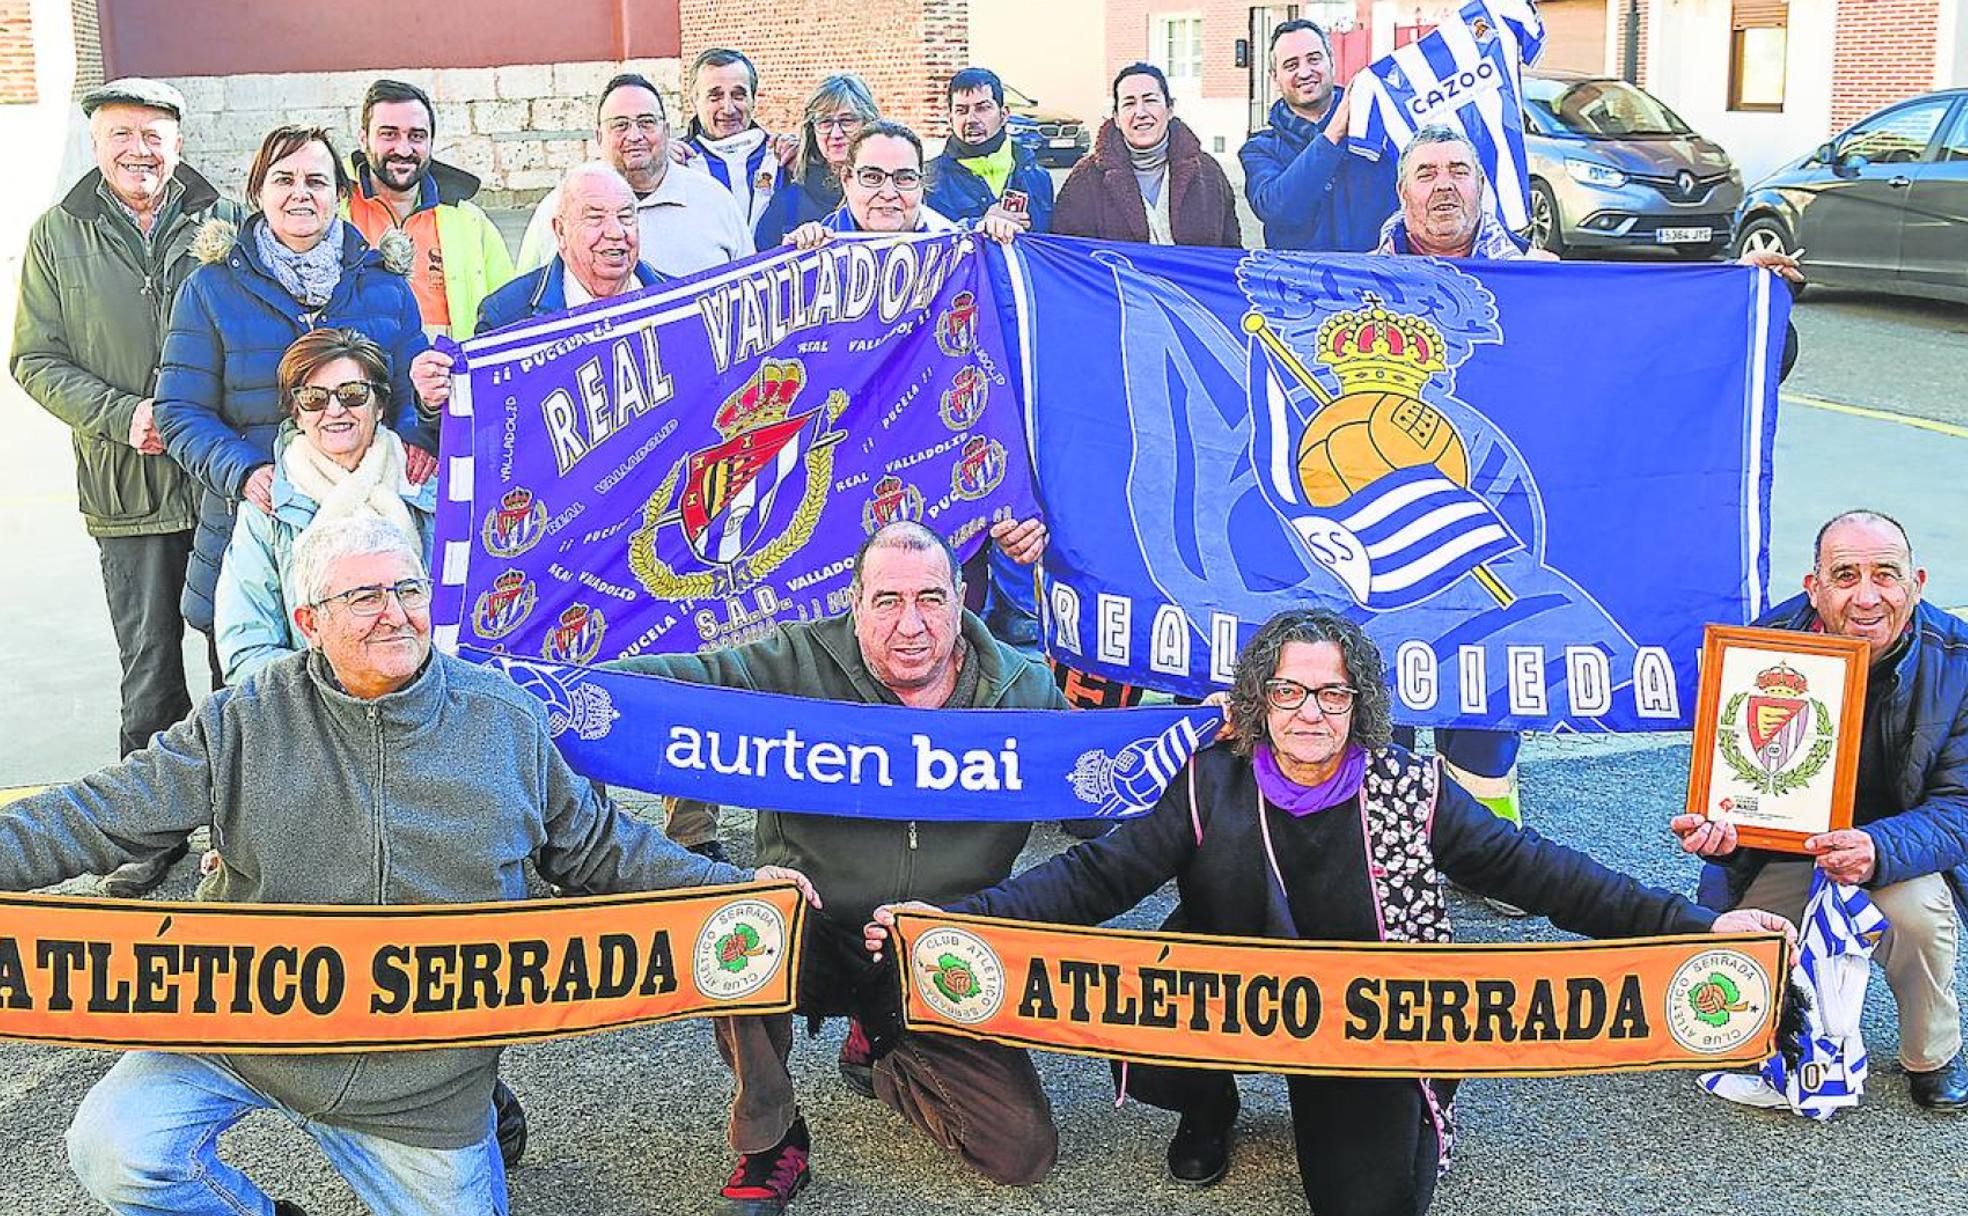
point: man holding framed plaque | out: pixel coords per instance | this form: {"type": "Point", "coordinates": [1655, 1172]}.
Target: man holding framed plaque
{"type": "Point", "coordinates": [1907, 842]}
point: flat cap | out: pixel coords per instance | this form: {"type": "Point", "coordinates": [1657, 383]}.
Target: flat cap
{"type": "Point", "coordinates": [135, 91]}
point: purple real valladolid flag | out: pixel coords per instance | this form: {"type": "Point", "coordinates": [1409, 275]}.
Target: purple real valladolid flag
{"type": "Point", "coordinates": [694, 464]}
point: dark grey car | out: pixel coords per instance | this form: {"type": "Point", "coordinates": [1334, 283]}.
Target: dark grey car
{"type": "Point", "coordinates": [1883, 205]}
{"type": "Point", "coordinates": [1614, 168]}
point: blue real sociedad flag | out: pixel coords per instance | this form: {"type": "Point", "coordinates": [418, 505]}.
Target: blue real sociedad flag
{"type": "Point", "coordinates": [1532, 484]}
{"type": "Point", "coordinates": [868, 761]}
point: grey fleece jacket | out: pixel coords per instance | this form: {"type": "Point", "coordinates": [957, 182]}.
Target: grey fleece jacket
{"type": "Point", "coordinates": [436, 793]}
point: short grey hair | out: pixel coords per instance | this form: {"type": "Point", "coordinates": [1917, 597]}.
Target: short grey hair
{"type": "Point", "coordinates": [322, 545]}
{"type": "Point", "coordinates": [911, 537]}
{"type": "Point", "coordinates": [1859, 515]}
{"type": "Point", "coordinates": [588, 168]}
{"type": "Point", "coordinates": [1436, 133]}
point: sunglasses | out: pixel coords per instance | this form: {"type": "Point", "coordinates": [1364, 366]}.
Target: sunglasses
{"type": "Point", "coordinates": [353, 394]}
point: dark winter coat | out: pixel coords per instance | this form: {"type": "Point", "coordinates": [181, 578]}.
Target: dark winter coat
{"type": "Point", "coordinates": [94, 303]}
{"type": "Point", "coordinates": [218, 398]}
{"type": "Point", "coordinates": [539, 293]}
{"type": "Point", "coordinates": [1312, 193]}
{"type": "Point", "coordinates": [1102, 199]}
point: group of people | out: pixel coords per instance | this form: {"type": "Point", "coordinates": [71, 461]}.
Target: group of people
{"type": "Point", "coordinates": [252, 394]}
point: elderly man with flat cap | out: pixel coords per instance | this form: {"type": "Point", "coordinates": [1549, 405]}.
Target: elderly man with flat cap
{"type": "Point", "coordinates": [101, 270]}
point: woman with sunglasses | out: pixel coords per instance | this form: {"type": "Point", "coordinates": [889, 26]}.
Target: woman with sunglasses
{"type": "Point", "coordinates": [835, 114]}
{"type": "Point", "coordinates": [295, 265]}
{"type": "Point", "coordinates": [333, 459]}
{"type": "Point", "coordinates": [1311, 824]}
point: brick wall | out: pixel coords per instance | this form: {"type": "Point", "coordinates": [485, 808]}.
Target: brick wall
{"type": "Point", "coordinates": [87, 20]}
{"type": "Point", "coordinates": [1882, 52]}
{"type": "Point", "coordinates": [517, 127]}
{"type": "Point", "coordinates": [904, 49]}
{"type": "Point", "coordinates": [1131, 27]}
{"type": "Point", "coordinates": [16, 52]}
{"type": "Point", "coordinates": [1629, 33]}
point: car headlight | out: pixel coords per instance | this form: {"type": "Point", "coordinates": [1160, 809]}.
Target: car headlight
{"type": "Point", "coordinates": [1592, 173]}
{"type": "Point", "coordinates": [1735, 176]}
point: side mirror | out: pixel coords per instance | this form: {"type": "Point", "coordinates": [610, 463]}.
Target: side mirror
{"type": "Point", "coordinates": [1825, 154]}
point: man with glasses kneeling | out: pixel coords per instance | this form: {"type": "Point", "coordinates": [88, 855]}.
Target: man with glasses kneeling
{"type": "Point", "coordinates": [1312, 825]}
{"type": "Point", "coordinates": [366, 770]}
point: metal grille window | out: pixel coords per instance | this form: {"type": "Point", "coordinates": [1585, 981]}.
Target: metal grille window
{"type": "Point", "coordinates": [1759, 43]}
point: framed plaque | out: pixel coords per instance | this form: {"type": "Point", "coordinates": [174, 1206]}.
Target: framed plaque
{"type": "Point", "coordinates": [1777, 727]}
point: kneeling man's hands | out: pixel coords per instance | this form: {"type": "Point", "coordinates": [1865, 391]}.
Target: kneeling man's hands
{"type": "Point", "coordinates": [1846, 856]}
{"type": "Point", "coordinates": [1754, 920]}
{"type": "Point", "coordinates": [788, 874]}
{"type": "Point", "coordinates": [1704, 836]}
{"type": "Point", "coordinates": [874, 934]}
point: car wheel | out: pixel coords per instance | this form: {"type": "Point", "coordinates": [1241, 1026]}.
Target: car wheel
{"type": "Point", "coordinates": [1547, 228]}
{"type": "Point", "coordinates": [1763, 235]}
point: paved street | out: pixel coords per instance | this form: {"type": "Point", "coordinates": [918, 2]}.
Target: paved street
{"type": "Point", "coordinates": [631, 1122]}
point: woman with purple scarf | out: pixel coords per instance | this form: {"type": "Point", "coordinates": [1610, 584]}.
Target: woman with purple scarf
{"type": "Point", "coordinates": [1311, 824]}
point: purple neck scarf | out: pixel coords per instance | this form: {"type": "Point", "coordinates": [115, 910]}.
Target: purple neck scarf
{"type": "Point", "coordinates": [1302, 800]}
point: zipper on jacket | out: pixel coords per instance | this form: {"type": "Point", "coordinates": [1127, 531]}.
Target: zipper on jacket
{"type": "Point", "coordinates": [382, 854]}
{"type": "Point", "coordinates": [912, 835]}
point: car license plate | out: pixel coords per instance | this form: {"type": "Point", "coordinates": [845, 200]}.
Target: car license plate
{"type": "Point", "coordinates": [1064, 141]}
{"type": "Point", "coordinates": [1684, 236]}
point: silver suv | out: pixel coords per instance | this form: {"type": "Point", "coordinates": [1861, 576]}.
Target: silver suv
{"type": "Point", "coordinates": [1612, 168]}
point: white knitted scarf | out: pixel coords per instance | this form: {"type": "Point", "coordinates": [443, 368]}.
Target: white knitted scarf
{"type": "Point", "coordinates": [375, 485]}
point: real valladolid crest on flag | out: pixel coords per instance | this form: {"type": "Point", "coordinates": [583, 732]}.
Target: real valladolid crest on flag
{"type": "Point", "coordinates": [871, 761]}
{"type": "Point", "coordinates": [1464, 74]}
{"type": "Point", "coordinates": [1532, 512]}
{"type": "Point", "coordinates": [691, 465]}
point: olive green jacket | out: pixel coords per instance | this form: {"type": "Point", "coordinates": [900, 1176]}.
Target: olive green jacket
{"type": "Point", "coordinates": [94, 305]}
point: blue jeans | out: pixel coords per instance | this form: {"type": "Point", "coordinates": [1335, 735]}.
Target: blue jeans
{"type": "Point", "coordinates": [145, 1143]}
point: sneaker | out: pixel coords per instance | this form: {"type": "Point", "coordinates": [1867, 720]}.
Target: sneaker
{"type": "Point", "coordinates": [857, 1060]}
{"type": "Point", "coordinates": [762, 1184]}
{"type": "Point", "coordinates": [509, 1119]}
{"type": "Point", "coordinates": [136, 879]}
{"type": "Point", "coordinates": [713, 849]}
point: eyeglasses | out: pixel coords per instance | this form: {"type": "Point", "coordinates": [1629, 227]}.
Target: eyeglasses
{"type": "Point", "coordinates": [313, 398]}
{"type": "Point", "coordinates": [872, 178]}
{"type": "Point", "coordinates": [1290, 694]}
{"type": "Point", "coordinates": [412, 593]}
{"type": "Point", "coordinates": [844, 123]}
{"type": "Point", "coordinates": [648, 124]}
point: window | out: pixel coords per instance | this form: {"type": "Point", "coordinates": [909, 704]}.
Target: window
{"type": "Point", "coordinates": [1955, 147]}
{"type": "Point", "coordinates": [1759, 41]}
{"type": "Point", "coordinates": [1177, 48]}
{"type": "Point", "coordinates": [1897, 137]}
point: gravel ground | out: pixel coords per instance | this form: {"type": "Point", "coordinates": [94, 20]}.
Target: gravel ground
{"type": "Point", "coordinates": [631, 1122]}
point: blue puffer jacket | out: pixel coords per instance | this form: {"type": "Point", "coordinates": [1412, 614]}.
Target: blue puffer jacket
{"type": "Point", "coordinates": [964, 196]}
{"type": "Point", "coordinates": [218, 398]}
{"type": "Point", "coordinates": [1310, 192]}
{"type": "Point", "coordinates": [1926, 723]}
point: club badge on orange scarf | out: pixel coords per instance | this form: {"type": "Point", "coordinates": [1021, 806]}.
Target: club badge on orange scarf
{"type": "Point", "coordinates": [1346, 1009]}
{"type": "Point", "coordinates": [253, 978]}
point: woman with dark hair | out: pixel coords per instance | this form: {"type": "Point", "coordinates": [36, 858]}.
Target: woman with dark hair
{"type": "Point", "coordinates": [1148, 179]}
{"type": "Point", "coordinates": [333, 459]}
{"type": "Point", "coordinates": [294, 266]}
{"type": "Point", "coordinates": [1312, 825]}
{"type": "Point", "coordinates": [835, 113]}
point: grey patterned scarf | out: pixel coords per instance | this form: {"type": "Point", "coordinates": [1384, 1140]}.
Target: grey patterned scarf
{"type": "Point", "coordinates": [309, 277]}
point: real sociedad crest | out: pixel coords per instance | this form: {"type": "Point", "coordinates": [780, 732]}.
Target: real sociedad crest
{"type": "Point", "coordinates": [577, 637]}
{"type": "Point", "coordinates": [572, 703]}
{"type": "Point", "coordinates": [963, 401]}
{"type": "Point", "coordinates": [956, 329]}
{"type": "Point", "coordinates": [745, 504]}
{"type": "Point", "coordinates": [1131, 781]}
{"type": "Point", "coordinates": [979, 469]}
{"type": "Point", "coordinates": [505, 606]}
{"type": "Point", "coordinates": [515, 525]}
{"type": "Point", "coordinates": [894, 500]}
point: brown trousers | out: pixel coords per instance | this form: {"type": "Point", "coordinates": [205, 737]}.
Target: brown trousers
{"type": "Point", "coordinates": [1917, 953]}
{"type": "Point", "coordinates": [981, 1101]}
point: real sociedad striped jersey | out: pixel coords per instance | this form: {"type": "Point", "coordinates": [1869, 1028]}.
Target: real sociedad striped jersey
{"type": "Point", "coordinates": [1463, 74]}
